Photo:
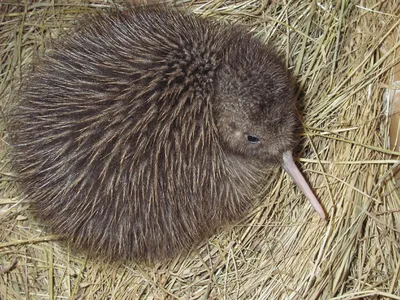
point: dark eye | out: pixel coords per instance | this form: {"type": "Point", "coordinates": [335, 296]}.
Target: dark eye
{"type": "Point", "coordinates": [252, 139]}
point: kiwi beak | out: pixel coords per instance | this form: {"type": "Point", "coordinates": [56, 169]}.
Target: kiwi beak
{"type": "Point", "coordinates": [290, 167]}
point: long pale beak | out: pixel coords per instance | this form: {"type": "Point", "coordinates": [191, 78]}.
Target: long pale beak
{"type": "Point", "coordinates": [290, 167]}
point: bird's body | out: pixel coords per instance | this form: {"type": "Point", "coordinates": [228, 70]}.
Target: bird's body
{"type": "Point", "coordinates": [144, 131]}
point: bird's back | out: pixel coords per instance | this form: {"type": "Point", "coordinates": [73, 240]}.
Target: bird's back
{"type": "Point", "coordinates": [115, 139]}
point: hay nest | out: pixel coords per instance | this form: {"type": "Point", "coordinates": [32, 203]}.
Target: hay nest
{"type": "Point", "coordinates": [345, 56]}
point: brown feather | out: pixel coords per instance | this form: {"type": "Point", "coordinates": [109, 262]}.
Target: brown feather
{"type": "Point", "coordinates": [130, 139]}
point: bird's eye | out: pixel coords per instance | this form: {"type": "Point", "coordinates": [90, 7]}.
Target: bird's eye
{"type": "Point", "coordinates": [252, 139]}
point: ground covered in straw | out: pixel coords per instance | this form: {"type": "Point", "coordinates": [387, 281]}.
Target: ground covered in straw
{"type": "Point", "coordinates": [343, 55]}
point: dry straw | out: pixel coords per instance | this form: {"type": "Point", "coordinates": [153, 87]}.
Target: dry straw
{"type": "Point", "coordinates": [343, 55]}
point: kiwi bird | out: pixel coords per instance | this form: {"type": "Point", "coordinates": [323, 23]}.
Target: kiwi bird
{"type": "Point", "coordinates": [143, 131]}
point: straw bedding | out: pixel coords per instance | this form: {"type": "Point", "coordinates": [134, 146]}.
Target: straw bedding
{"type": "Point", "coordinates": [345, 57]}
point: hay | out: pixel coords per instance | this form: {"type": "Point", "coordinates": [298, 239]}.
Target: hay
{"type": "Point", "coordinates": [343, 54]}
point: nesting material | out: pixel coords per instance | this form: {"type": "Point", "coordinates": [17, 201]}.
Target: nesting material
{"type": "Point", "coordinates": [393, 99]}
{"type": "Point", "coordinates": [281, 250]}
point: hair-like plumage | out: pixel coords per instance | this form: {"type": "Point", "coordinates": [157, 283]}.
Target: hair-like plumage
{"type": "Point", "coordinates": [130, 138]}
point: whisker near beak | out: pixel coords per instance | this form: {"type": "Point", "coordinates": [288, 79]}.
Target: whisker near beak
{"type": "Point", "coordinates": [290, 167]}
